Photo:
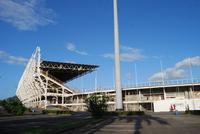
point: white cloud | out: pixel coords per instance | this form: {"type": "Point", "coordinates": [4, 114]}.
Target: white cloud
{"type": "Point", "coordinates": [157, 76]}
{"type": "Point", "coordinates": [26, 14]}
{"type": "Point", "coordinates": [170, 73]}
{"type": "Point", "coordinates": [7, 58]}
{"type": "Point", "coordinates": [128, 76]}
{"type": "Point", "coordinates": [177, 71]}
{"type": "Point", "coordinates": [128, 54]}
{"type": "Point", "coordinates": [174, 73]}
{"type": "Point", "coordinates": [109, 56]}
{"type": "Point", "coordinates": [2, 53]}
{"type": "Point", "coordinates": [194, 61]}
{"type": "Point", "coordinates": [71, 47]}
{"type": "Point", "coordinates": [70, 61]}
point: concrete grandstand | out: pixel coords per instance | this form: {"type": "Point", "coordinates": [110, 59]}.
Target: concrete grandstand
{"type": "Point", "coordinates": [43, 85]}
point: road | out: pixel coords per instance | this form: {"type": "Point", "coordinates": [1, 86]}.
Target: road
{"type": "Point", "coordinates": [15, 125]}
{"type": "Point", "coordinates": [153, 123]}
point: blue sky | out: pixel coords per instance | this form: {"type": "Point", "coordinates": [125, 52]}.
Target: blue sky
{"type": "Point", "coordinates": [82, 32]}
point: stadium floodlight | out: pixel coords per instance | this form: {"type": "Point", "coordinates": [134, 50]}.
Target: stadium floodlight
{"type": "Point", "coordinates": [119, 105]}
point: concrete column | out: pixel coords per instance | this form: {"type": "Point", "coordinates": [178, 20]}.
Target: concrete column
{"type": "Point", "coordinates": [119, 105]}
{"type": "Point", "coordinates": [57, 96]}
{"type": "Point", "coordinates": [191, 93]}
{"type": "Point", "coordinates": [140, 107]}
{"type": "Point", "coordinates": [46, 93]}
{"type": "Point", "coordinates": [164, 93]}
{"type": "Point", "coordinates": [139, 95]}
{"type": "Point", "coordinates": [82, 101]}
{"type": "Point", "coordinates": [77, 99]}
{"type": "Point", "coordinates": [62, 96]}
{"type": "Point", "coordinates": [40, 100]}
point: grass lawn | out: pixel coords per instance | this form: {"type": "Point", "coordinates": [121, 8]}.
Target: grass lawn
{"type": "Point", "coordinates": [62, 127]}
{"type": "Point", "coordinates": [76, 123]}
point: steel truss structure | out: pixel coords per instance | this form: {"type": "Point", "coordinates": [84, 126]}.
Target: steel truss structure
{"type": "Point", "coordinates": [38, 88]}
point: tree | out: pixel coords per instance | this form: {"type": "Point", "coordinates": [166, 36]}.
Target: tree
{"type": "Point", "coordinates": [13, 105]}
{"type": "Point", "coordinates": [97, 105]}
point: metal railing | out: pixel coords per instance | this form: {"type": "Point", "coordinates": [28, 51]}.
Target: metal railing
{"type": "Point", "coordinates": [139, 85]}
{"type": "Point", "coordinates": [165, 83]}
{"type": "Point", "coordinates": [157, 84]}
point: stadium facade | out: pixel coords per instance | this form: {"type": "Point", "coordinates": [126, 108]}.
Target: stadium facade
{"type": "Point", "coordinates": [43, 85]}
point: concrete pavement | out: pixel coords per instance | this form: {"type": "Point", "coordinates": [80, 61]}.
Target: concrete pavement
{"type": "Point", "coordinates": [151, 123]}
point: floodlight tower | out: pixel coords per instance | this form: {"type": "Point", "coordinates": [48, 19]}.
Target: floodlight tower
{"type": "Point", "coordinates": [119, 105]}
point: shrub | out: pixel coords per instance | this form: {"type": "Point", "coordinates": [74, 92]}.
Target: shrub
{"type": "Point", "coordinates": [1, 103]}
{"type": "Point", "coordinates": [194, 112]}
{"type": "Point", "coordinates": [125, 113]}
{"type": "Point", "coordinates": [57, 112]}
{"type": "Point", "coordinates": [97, 105]}
{"type": "Point", "coordinates": [44, 112]}
{"type": "Point", "coordinates": [13, 105]}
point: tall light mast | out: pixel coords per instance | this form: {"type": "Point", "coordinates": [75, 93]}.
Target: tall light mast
{"type": "Point", "coordinates": [119, 104]}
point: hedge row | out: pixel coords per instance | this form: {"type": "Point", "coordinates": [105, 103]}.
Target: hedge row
{"type": "Point", "coordinates": [125, 113]}
{"type": "Point", "coordinates": [55, 112]}
{"type": "Point", "coordinates": [194, 112]}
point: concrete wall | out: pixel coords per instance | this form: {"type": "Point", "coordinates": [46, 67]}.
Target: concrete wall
{"type": "Point", "coordinates": [197, 104]}
{"type": "Point", "coordinates": [181, 105]}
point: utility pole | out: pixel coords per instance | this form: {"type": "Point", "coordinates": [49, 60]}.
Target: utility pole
{"type": "Point", "coordinates": [163, 75]}
{"type": "Point", "coordinates": [136, 78]}
{"type": "Point", "coordinates": [190, 67]}
{"type": "Point", "coordinates": [95, 86]}
{"type": "Point", "coordinates": [119, 104]}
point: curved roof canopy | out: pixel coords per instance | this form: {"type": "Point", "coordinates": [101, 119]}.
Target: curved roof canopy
{"type": "Point", "coordinates": [65, 71]}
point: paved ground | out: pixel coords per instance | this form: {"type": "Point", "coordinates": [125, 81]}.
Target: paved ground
{"type": "Point", "coordinates": [16, 125]}
{"type": "Point", "coordinates": [149, 124]}
{"type": "Point", "coordinates": [162, 123]}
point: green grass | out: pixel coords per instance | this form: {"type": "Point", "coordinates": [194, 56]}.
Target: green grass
{"type": "Point", "coordinates": [57, 112]}
{"type": "Point", "coordinates": [62, 127]}
{"type": "Point", "coordinates": [77, 123]}
{"type": "Point", "coordinates": [35, 131]}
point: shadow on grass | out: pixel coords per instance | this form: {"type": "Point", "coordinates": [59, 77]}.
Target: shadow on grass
{"type": "Point", "coordinates": [136, 120]}
{"type": "Point", "coordinates": [90, 125]}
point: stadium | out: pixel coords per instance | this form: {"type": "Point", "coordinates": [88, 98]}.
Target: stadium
{"type": "Point", "coordinates": [43, 85]}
